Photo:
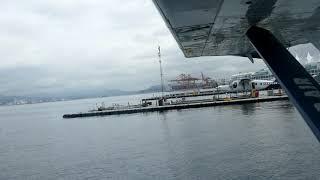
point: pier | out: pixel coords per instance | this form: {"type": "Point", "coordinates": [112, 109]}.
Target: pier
{"type": "Point", "coordinates": [185, 94]}
{"type": "Point", "coordinates": [183, 105]}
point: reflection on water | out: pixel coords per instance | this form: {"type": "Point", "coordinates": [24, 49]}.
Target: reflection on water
{"type": "Point", "coordinates": [248, 109]}
{"type": "Point", "coordinates": [251, 141]}
{"type": "Point", "coordinates": [251, 108]}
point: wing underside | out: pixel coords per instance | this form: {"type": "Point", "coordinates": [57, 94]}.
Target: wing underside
{"type": "Point", "coordinates": [218, 27]}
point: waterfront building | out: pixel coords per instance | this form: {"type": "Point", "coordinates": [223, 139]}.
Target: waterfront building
{"type": "Point", "coordinates": [313, 68]}
{"type": "Point", "coordinates": [263, 74]}
{"type": "Point", "coordinates": [239, 76]}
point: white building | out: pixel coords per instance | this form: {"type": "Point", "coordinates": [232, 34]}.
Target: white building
{"type": "Point", "coordinates": [263, 74]}
{"type": "Point", "coordinates": [239, 76]}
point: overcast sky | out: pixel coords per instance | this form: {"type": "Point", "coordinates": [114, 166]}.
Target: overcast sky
{"type": "Point", "coordinates": [53, 45]}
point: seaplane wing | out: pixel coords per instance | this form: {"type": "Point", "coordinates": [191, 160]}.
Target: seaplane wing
{"type": "Point", "coordinates": [253, 28]}
{"type": "Point", "coordinates": [218, 27]}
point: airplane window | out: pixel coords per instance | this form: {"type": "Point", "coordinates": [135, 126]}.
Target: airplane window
{"type": "Point", "coordinates": [235, 85]}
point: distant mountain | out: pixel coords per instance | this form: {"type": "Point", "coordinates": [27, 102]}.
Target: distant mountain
{"type": "Point", "coordinates": [60, 96]}
{"type": "Point", "coordinates": [92, 93]}
{"type": "Point", "coordinates": [154, 88]}
{"type": "Point", "coordinates": [18, 100]}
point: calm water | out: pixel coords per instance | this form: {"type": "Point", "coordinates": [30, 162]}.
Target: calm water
{"type": "Point", "coordinates": [255, 141]}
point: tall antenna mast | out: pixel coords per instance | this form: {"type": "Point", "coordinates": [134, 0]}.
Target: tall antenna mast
{"type": "Point", "coordinates": [161, 73]}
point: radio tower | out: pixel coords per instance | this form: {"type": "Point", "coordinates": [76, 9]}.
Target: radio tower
{"type": "Point", "coordinates": [161, 73]}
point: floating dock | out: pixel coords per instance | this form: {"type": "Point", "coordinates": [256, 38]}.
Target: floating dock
{"type": "Point", "coordinates": [177, 106]}
{"type": "Point", "coordinates": [186, 94]}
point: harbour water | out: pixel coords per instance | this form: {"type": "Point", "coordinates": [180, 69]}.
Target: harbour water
{"type": "Point", "coordinates": [253, 141]}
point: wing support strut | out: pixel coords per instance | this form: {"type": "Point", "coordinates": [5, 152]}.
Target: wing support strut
{"type": "Point", "coordinates": [300, 86]}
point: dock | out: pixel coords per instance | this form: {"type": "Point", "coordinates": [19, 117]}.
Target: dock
{"type": "Point", "coordinates": [185, 95]}
{"type": "Point", "coordinates": [197, 104]}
